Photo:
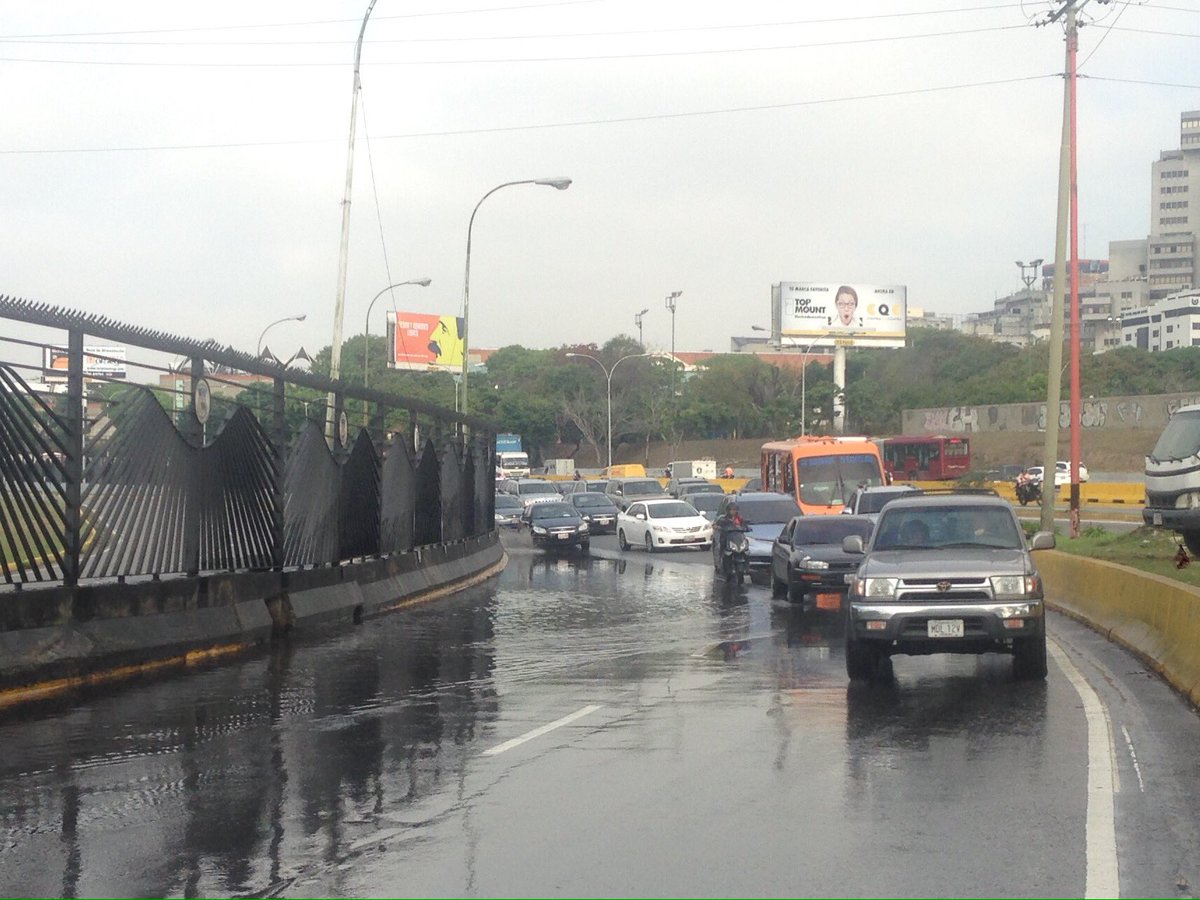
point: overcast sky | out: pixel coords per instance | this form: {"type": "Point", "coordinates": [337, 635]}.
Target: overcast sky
{"type": "Point", "coordinates": [182, 166]}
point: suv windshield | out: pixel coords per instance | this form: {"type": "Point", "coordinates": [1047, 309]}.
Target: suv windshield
{"type": "Point", "coordinates": [931, 527]}
{"type": "Point", "coordinates": [1180, 439]}
{"type": "Point", "coordinates": [536, 487]}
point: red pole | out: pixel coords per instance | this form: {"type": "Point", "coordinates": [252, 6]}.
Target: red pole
{"type": "Point", "coordinates": [1072, 49]}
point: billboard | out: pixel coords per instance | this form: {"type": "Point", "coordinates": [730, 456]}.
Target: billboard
{"type": "Point", "coordinates": [98, 362]}
{"type": "Point", "coordinates": [848, 314]}
{"type": "Point", "coordinates": [425, 342]}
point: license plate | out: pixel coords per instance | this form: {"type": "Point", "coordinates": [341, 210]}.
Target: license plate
{"type": "Point", "coordinates": [563, 537]}
{"type": "Point", "coordinates": [831, 600]}
{"type": "Point", "coordinates": [1157, 518]}
{"type": "Point", "coordinates": [945, 628]}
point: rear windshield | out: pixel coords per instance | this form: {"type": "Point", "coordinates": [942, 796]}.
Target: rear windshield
{"type": "Point", "coordinates": [536, 487]}
{"type": "Point", "coordinates": [764, 512]}
{"type": "Point", "coordinates": [636, 488]}
{"type": "Point", "coordinates": [827, 530]}
{"type": "Point", "coordinates": [589, 499]}
{"type": "Point", "coordinates": [872, 501]}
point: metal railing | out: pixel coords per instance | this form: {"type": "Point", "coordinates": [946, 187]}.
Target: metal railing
{"type": "Point", "coordinates": [128, 453]}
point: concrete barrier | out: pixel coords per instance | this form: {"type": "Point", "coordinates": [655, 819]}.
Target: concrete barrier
{"type": "Point", "coordinates": [1155, 617]}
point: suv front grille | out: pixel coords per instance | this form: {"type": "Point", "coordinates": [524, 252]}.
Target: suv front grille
{"type": "Point", "coordinates": [958, 590]}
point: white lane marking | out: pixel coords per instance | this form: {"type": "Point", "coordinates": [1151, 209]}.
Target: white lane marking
{"type": "Point", "coordinates": [1137, 770]}
{"type": "Point", "coordinates": [538, 732]}
{"type": "Point", "coordinates": [1103, 877]}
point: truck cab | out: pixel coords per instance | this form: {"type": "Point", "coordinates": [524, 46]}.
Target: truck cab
{"type": "Point", "coordinates": [1173, 478]}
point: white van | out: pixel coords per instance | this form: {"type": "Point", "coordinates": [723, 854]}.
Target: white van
{"type": "Point", "coordinates": [1173, 478]}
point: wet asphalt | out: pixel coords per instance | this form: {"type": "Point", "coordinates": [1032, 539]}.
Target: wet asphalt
{"type": "Point", "coordinates": [620, 724]}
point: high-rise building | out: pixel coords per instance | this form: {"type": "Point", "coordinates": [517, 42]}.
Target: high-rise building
{"type": "Point", "coordinates": [1175, 181]}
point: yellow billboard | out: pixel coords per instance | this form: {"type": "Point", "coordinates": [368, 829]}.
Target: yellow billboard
{"type": "Point", "coordinates": [424, 341]}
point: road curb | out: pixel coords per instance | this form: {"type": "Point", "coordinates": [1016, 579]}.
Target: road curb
{"type": "Point", "coordinates": [1156, 618]}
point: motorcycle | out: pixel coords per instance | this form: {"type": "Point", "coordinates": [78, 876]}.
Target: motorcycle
{"type": "Point", "coordinates": [735, 555]}
{"type": "Point", "coordinates": [1028, 492]}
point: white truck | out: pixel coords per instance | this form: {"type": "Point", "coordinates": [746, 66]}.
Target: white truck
{"type": "Point", "coordinates": [694, 468]}
{"type": "Point", "coordinates": [511, 460]}
{"type": "Point", "coordinates": [1173, 478]}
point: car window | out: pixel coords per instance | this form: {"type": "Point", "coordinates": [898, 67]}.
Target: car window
{"type": "Point", "coordinates": [636, 509]}
{"type": "Point", "coordinates": [508, 501]}
{"type": "Point", "coordinates": [587, 500]}
{"type": "Point", "coordinates": [671, 510]}
{"type": "Point", "coordinates": [641, 488]}
{"type": "Point", "coordinates": [873, 501]}
{"type": "Point", "coordinates": [536, 487]}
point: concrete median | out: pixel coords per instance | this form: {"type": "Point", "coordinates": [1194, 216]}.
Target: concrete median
{"type": "Point", "coordinates": [1155, 617]}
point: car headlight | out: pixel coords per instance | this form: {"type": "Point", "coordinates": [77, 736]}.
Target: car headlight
{"type": "Point", "coordinates": [538, 529]}
{"type": "Point", "coordinates": [1005, 586]}
{"type": "Point", "coordinates": [583, 527]}
{"type": "Point", "coordinates": [878, 588]}
{"type": "Point", "coordinates": [813, 564]}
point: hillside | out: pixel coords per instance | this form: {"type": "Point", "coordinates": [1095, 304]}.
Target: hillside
{"type": "Point", "coordinates": [1102, 451]}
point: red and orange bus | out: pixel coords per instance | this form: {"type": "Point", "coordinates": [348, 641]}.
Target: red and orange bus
{"type": "Point", "coordinates": [821, 472]}
{"type": "Point", "coordinates": [932, 457]}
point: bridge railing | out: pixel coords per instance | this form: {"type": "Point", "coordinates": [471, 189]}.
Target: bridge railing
{"type": "Point", "coordinates": [128, 453]}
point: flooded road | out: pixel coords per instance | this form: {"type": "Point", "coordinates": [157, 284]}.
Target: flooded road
{"type": "Point", "coordinates": [619, 724]}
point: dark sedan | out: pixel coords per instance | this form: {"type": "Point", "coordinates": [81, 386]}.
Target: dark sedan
{"type": "Point", "coordinates": [597, 510]}
{"type": "Point", "coordinates": [556, 525]}
{"type": "Point", "coordinates": [807, 559]}
{"type": "Point", "coordinates": [508, 511]}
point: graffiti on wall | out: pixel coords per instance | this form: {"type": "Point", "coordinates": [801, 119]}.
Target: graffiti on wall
{"type": "Point", "coordinates": [1102, 412]}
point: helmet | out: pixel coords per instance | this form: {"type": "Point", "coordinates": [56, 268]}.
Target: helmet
{"type": "Point", "coordinates": [732, 508]}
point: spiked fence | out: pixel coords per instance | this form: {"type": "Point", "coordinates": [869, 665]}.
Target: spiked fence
{"type": "Point", "coordinates": [117, 462]}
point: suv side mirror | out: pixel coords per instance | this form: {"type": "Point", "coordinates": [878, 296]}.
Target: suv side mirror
{"type": "Point", "coordinates": [1042, 540]}
{"type": "Point", "coordinates": [852, 543]}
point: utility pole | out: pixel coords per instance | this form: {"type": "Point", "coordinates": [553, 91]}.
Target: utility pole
{"type": "Point", "coordinates": [637, 320]}
{"type": "Point", "coordinates": [671, 298]}
{"type": "Point", "coordinates": [1068, 219]}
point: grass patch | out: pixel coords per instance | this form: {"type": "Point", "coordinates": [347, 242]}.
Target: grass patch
{"type": "Point", "coordinates": [1148, 549]}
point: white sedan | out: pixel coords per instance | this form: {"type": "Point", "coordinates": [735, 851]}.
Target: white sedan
{"type": "Point", "coordinates": [1062, 473]}
{"type": "Point", "coordinates": [662, 524]}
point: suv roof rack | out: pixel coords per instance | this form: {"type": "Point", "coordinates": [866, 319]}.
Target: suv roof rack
{"type": "Point", "coordinates": [960, 490]}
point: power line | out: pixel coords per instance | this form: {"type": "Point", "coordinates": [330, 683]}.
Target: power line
{"type": "Point", "coordinates": [553, 125]}
{"type": "Point", "coordinates": [588, 58]}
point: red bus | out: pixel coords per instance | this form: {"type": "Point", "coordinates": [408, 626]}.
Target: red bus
{"type": "Point", "coordinates": [933, 457]}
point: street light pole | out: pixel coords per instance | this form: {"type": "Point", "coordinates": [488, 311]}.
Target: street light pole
{"type": "Point", "coordinates": [803, 382]}
{"type": "Point", "coordinates": [1032, 265]}
{"type": "Point", "coordinates": [608, 373]}
{"type": "Point", "coordinates": [671, 298]}
{"type": "Point", "coordinates": [637, 320]}
{"type": "Point", "coordinates": [559, 184]}
{"type": "Point", "coordinates": [423, 282]}
{"type": "Point", "coordinates": [299, 318]}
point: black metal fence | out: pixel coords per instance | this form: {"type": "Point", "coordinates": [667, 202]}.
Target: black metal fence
{"type": "Point", "coordinates": [154, 455]}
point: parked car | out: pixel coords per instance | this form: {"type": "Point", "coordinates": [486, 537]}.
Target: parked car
{"type": "Point", "coordinates": [706, 504]}
{"type": "Point", "coordinates": [597, 510]}
{"type": "Point", "coordinates": [868, 501]}
{"type": "Point", "coordinates": [535, 490]}
{"type": "Point", "coordinates": [508, 511]}
{"type": "Point", "coordinates": [765, 512]}
{"type": "Point", "coordinates": [662, 523]}
{"type": "Point", "coordinates": [807, 559]}
{"type": "Point", "coordinates": [556, 525]}
{"type": "Point", "coordinates": [623, 491]}
{"type": "Point", "coordinates": [946, 573]}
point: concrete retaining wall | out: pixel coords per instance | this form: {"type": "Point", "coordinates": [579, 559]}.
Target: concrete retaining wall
{"type": "Point", "coordinates": [1155, 617]}
{"type": "Point", "coordinates": [57, 639]}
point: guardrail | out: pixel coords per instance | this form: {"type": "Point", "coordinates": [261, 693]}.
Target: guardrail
{"type": "Point", "coordinates": [130, 453]}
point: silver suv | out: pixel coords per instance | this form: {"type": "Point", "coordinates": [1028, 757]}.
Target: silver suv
{"type": "Point", "coordinates": [946, 573]}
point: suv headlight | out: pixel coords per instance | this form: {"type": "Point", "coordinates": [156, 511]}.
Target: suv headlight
{"type": "Point", "coordinates": [813, 564]}
{"type": "Point", "coordinates": [538, 529]}
{"type": "Point", "coordinates": [877, 588]}
{"type": "Point", "coordinates": [583, 527]}
{"type": "Point", "coordinates": [1014, 586]}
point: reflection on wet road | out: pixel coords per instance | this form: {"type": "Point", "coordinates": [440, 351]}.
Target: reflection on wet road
{"type": "Point", "coordinates": [620, 724]}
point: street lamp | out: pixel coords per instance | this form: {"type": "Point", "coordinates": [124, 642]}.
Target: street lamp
{"type": "Point", "coordinates": [423, 282]}
{"type": "Point", "coordinates": [559, 184]}
{"type": "Point", "coordinates": [637, 320]}
{"type": "Point", "coordinates": [803, 380]}
{"type": "Point", "coordinates": [671, 298]}
{"type": "Point", "coordinates": [299, 318]}
{"type": "Point", "coordinates": [608, 373]}
{"type": "Point", "coordinates": [1032, 265]}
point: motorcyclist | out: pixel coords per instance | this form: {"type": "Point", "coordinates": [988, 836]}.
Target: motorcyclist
{"type": "Point", "coordinates": [730, 520]}
{"type": "Point", "coordinates": [1027, 487]}
{"type": "Point", "coordinates": [728, 472]}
